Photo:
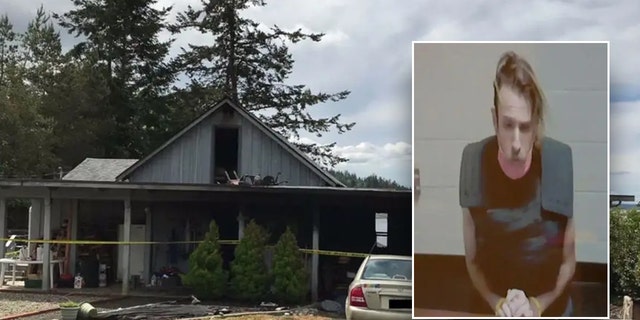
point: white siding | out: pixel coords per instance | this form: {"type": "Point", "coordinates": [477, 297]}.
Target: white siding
{"type": "Point", "coordinates": [453, 96]}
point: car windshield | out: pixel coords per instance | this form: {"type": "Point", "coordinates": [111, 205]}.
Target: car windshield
{"type": "Point", "coordinates": [391, 269]}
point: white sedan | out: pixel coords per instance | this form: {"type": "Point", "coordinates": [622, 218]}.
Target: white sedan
{"type": "Point", "coordinates": [381, 289]}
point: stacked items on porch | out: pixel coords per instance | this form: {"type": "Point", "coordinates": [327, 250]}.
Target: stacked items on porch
{"type": "Point", "coordinates": [168, 277]}
{"type": "Point", "coordinates": [34, 271]}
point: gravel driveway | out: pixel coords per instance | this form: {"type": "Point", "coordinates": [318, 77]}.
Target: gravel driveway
{"type": "Point", "coordinates": [12, 303]}
{"type": "Point", "coordinates": [100, 306]}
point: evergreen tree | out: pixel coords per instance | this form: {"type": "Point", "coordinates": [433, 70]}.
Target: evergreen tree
{"type": "Point", "coordinates": [206, 275]}
{"type": "Point", "coordinates": [42, 51]}
{"type": "Point", "coordinates": [25, 135]}
{"type": "Point", "coordinates": [8, 49]}
{"type": "Point", "coordinates": [290, 279]}
{"type": "Point", "coordinates": [122, 37]}
{"type": "Point", "coordinates": [76, 103]}
{"type": "Point", "coordinates": [373, 181]}
{"type": "Point", "coordinates": [249, 278]}
{"type": "Point", "coordinates": [61, 95]}
{"type": "Point", "coordinates": [251, 65]}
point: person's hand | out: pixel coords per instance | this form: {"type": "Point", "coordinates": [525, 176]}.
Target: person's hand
{"type": "Point", "coordinates": [502, 309]}
{"type": "Point", "coordinates": [518, 304]}
{"type": "Point", "coordinates": [535, 304]}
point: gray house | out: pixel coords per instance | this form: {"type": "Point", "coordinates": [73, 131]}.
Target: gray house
{"type": "Point", "coordinates": [226, 166]}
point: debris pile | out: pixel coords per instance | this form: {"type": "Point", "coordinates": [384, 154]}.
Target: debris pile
{"type": "Point", "coordinates": [193, 309]}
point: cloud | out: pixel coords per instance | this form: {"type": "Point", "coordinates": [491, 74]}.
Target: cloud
{"type": "Point", "coordinates": [390, 161]}
{"type": "Point", "coordinates": [546, 20]}
{"type": "Point", "coordinates": [366, 152]}
{"type": "Point", "coordinates": [624, 131]}
{"type": "Point", "coordinates": [367, 50]}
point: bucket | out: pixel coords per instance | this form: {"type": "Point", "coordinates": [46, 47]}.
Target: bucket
{"type": "Point", "coordinates": [87, 311]}
{"type": "Point", "coordinates": [69, 313]}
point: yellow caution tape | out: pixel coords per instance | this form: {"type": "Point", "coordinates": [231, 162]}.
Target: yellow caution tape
{"type": "Point", "coordinates": [230, 242]}
{"type": "Point", "coordinates": [336, 253]}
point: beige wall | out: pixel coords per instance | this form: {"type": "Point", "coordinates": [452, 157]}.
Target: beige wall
{"type": "Point", "coordinates": [453, 96]}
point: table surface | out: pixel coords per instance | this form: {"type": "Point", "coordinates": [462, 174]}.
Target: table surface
{"type": "Point", "coordinates": [16, 261]}
{"type": "Point", "coordinates": [422, 312]}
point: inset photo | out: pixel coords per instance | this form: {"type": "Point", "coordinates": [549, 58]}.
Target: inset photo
{"type": "Point", "coordinates": [511, 179]}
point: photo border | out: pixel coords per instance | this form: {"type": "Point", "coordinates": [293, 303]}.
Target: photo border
{"type": "Point", "coordinates": [413, 187]}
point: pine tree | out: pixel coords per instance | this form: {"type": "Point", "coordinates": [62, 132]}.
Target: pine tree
{"type": "Point", "coordinates": [206, 275]}
{"type": "Point", "coordinates": [251, 65]}
{"type": "Point", "coordinates": [249, 278]}
{"type": "Point", "coordinates": [290, 279]}
{"type": "Point", "coordinates": [372, 181]}
{"type": "Point", "coordinates": [8, 49]}
{"type": "Point", "coordinates": [25, 135]}
{"type": "Point", "coordinates": [123, 39]}
{"type": "Point", "coordinates": [42, 53]}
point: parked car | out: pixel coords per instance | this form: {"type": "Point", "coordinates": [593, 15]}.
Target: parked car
{"type": "Point", "coordinates": [381, 289]}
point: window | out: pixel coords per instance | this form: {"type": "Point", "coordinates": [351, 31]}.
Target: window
{"type": "Point", "coordinates": [381, 230]}
{"type": "Point", "coordinates": [225, 153]}
{"type": "Point", "coordinates": [396, 269]}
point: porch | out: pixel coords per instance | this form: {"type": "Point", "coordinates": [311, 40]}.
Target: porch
{"type": "Point", "coordinates": [164, 214]}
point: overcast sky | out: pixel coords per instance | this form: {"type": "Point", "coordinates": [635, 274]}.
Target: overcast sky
{"type": "Point", "coordinates": [367, 50]}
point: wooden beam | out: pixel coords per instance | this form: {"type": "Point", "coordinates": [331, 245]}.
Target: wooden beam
{"type": "Point", "coordinates": [46, 247]}
{"type": "Point", "coordinates": [73, 251]}
{"type": "Point", "coordinates": [627, 198]}
{"type": "Point", "coordinates": [315, 258]}
{"type": "Point", "coordinates": [126, 248]}
{"type": "Point", "coordinates": [616, 200]}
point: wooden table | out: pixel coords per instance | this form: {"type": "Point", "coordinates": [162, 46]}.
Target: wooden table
{"type": "Point", "coordinates": [422, 312]}
{"type": "Point", "coordinates": [15, 262]}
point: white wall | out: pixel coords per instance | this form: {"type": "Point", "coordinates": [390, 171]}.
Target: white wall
{"type": "Point", "coordinates": [453, 96]}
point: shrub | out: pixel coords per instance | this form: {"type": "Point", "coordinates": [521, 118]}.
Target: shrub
{"type": "Point", "coordinates": [625, 251]}
{"type": "Point", "coordinates": [289, 275]}
{"type": "Point", "coordinates": [249, 277]}
{"type": "Point", "coordinates": [206, 275]}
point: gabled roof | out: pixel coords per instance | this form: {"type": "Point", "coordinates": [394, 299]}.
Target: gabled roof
{"type": "Point", "coordinates": [92, 169]}
{"type": "Point", "coordinates": [292, 149]}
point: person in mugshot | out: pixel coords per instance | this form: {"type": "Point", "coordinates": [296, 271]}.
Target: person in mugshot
{"type": "Point", "coordinates": [516, 194]}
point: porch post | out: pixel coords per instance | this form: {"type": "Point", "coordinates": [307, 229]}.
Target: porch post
{"type": "Point", "coordinates": [46, 247]}
{"type": "Point", "coordinates": [74, 236]}
{"type": "Point", "coordinates": [3, 226]}
{"type": "Point", "coordinates": [315, 258]}
{"type": "Point", "coordinates": [126, 249]}
{"type": "Point", "coordinates": [241, 224]}
{"type": "Point", "coordinates": [148, 269]}
{"type": "Point", "coordinates": [35, 223]}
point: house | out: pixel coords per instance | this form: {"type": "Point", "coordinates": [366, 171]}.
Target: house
{"type": "Point", "coordinates": [167, 199]}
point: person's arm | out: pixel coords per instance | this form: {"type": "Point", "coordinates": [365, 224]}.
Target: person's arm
{"type": "Point", "coordinates": [567, 269]}
{"type": "Point", "coordinates": [477, 278]}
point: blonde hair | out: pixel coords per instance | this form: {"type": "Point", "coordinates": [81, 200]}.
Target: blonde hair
{"type": "Point", "coordinates": [514, 71]}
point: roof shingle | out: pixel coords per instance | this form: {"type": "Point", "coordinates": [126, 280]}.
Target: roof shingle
{"type": "Point", "coordinates": [94, 169]}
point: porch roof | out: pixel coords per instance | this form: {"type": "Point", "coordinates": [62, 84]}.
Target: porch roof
{"type": "Point", "coordinates": [107, 190]}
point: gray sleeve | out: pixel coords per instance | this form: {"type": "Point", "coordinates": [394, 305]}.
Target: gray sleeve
{"type": "Point", "coordinates": [557, 177]}
{"type": "Point", "coordinates": [470, 188]}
